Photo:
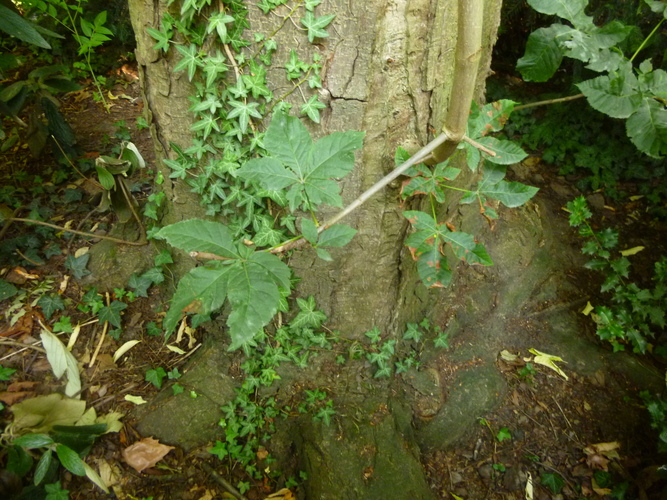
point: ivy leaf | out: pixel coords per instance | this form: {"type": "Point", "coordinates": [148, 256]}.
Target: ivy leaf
{"type": "Point", "coordinates": [219, 22]}
{"type": "Point", "coordinates": [78, 265]}
{"type": "Point", "coordinates": [155, 376]}
{"type": "Point", "coordinates": [200, 235]}
{"type": "Point", "coordinates": [316, 25]}
{"type": "Point", "coordinates": [553, 481]}
{"type": "Point", "coordinates": [111, 313]}
{"type": "Point", "coordinates": [309, 316]}
{"type": "Point", "coordinates": [243, 111]}
{"type": "Point", "coordinates": [201, 291]}
{"type": "Point", "coordinates": [50, 304]}
{"type": "Point", "coordinates": [312, 108]}
{"type": "Point", "coordinates": [161, 37]}
{"type": "Point", "coordinates": [190, 60]}
{"type": "Point", "coordinates": [311, 4]}
{"type": "Point", "coordinates": [7, 290]}
{"type": "Point", "coordinates": [647, 128]}
{"type": "Point", "coordinates": [543, 54]}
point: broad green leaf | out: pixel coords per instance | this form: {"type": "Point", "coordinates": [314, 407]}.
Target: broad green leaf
{"type": "Point", "coordinates": [324, 255]}
{"type": "Point", "coordinates": [333, 155]}
{"type": "Point", "coordinates": [617, 97]}
{"type": "Point", "coordinates": [572, 10]}
{"type": "Point", "coordinates": [309, 231]}
{"type": "Point", "coordinates": [510, 194]}
{"type": "Point", "coordinates": [202, 236]}
{"type": "Point", "coordinates": [202, 290]}
{"type": "Point", "coordinates": [647, 128]}
{"type": "Point", "coordinates": [461, 243]}
{"type": "Point", "coordinates": [654, 82]}
{"type": "Point", "coordinates": [43, 467]}
{"type": "Point", "coordinates": [31, 441]}
{"type": "Point", "coordinates": [507, 152]}
{"type": "Point", "coordinates": [492, 117]}
{"type": "Point", "coordinates": [276, 269]}
{"type": "Point", "coordinates": [15, 25]}
{"type": "Point", "coordinates": [218, 22]}
{"type": "Point", "coordinates": [94, 477]}
{"type": "Point", "coordinates": [7, 290]}
{"type": "Point", "coordinates": [543, 54]}
{"type": "Point", "coordinates": [254, 298]}
{"type": "Point", "coordinates": [62, 361]}
{"type": "Point", "coordinates": [288, 140]}
{"type": "Point", "coordinates": [6, 373]}
{"type": "Point", "coordinates": [70, 460]}
{"type": "Point", "coordinates": [479, 255]}
{"type": "Point", "coordinates": [433, 268]}
{"type": "Point", "coordinates": [337, 235]}
{"type": "Point", "coordinates": [553, 481]}
{"type": "Point", "coordinates": [268, 172]}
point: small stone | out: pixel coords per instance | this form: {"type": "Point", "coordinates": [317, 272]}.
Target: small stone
{"type": "Point", "coordinates": [455, 477]}
{"type": "Point", "coordinates": [596, 201]}
{"type": "Point", "coordinates": [485, 472]}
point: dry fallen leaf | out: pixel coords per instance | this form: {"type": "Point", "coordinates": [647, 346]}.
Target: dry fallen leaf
{"type": "Point", "coordinates": [145, 453]}
{"type": "Point", "coordinates": [598, 455]}
{"type": "Point", "coordinates": [283, 494]}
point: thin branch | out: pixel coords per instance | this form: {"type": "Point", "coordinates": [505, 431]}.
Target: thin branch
{"type": "Point", "coordinates": [548, 101]}
{"type": "Point", "coordinates": [80, 233]}
{"type": "Point", "coordinates": [479, 146]}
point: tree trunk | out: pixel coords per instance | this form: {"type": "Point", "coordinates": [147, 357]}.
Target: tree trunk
{"type": "Point", "coordinates": [387, 70]}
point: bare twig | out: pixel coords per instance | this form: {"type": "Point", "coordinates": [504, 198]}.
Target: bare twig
{"type": "Point", "coordinates": [548, 101]}
{"type": "Point", "coordinates": [81, 233]}
{"type": "Point", "coordinates": [222, 482]}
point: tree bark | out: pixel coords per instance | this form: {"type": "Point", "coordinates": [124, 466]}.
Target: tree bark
{"type": "Point", "coordinates": [388, 70]}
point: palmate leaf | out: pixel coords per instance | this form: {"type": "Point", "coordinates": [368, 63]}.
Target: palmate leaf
{"type": "Point", "coordinates": [433, 268]}
{"type": "Point", "coordinates": [303, 167]}
{"type": "Point", "coordinates": [507, 152]}
{"type": "Point", "coordinates": [254, 297]}
{"type": "Point", "coordinates": [202, 290]}
{"type": "Point", "coordinates": [202, 236]}
{"type": "Point", "coordinates": [490, 118]}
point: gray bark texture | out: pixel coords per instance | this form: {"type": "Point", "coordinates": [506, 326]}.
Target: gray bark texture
{"type": "Point", "coordinates": [388, 67]}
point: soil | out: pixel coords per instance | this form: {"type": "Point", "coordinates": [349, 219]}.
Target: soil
{"type": "Point", "coordinates": [592, 429]}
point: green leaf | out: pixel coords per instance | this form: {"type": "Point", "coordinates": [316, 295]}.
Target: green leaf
{"type": "Point", "coordinates": [6, 373]}
{"type": "Point", "coordinates": [161, 37]}
{"type": "Point", "coordinates": [14, 25]}
{"type": "Point", "coordinates": [202, 236]}
{"type": "Point", "coordinates": [503, 434]}
{"type": "Point", "coordinates": [647, 128]}
{"type": "Point", "coordinates": [243, 111]}
{"type": "Point", "coordinates": [316, 25]}
{"type": "Point", "coordinates": [617, 97]}
{"type": "Point", "coordinates": [492, 117]}
{"type": "Point", "coordinates": [309, 231]}
{"type": "Point", "coordinates": [219, 23]}
{"type": "Point", "coordinates": [510, 194]}
{"type": "Point", "coordinates": [337, 235]}
{"type": "Point", "coordinates": [190, 60]}
{"type": "Point", "coordinates": [572, 10]}
{"type": "Point", "coordinates": [31, 441]}
{"type": "Point", "coordinates": [43, 467]}
{"type": "Point", "coordinates": [268, 172]}
{"type": "Point", "coordinates": [543, 54]}
{"type": "Point", "coordinates": [254, 297]}
{"type": "Point", "coordinates": [309, 316]}
{"type": "Point", "coordinates": [507, 152]}
{"type": "Point", "coordinates": [78, 265]}
{"type": "Point", "coordinates": [111, 313]}
{"type": "Point", "coordinates": [155, 376]}
{"type": "Point", "coordinates": [312, 108]}
{"type": "Point", "coordinates": [70, 460]}
{"type": "Point", "coordinates": [50, 304]}
{"type": "Point", "coordinates": [7, 290]}
{"type": "Point", "coordinates": [553, 481]}
{"type": "Point", "coordinates": [201, 291]}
